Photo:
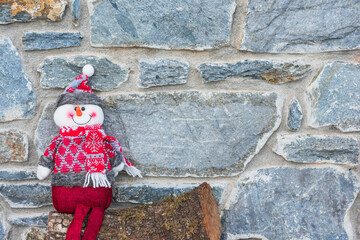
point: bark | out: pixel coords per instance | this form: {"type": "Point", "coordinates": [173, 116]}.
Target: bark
{"type": "Point", "coordinates": [193, 215]}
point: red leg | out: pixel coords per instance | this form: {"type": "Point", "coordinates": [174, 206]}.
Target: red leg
{"type": "Point", "coordinates": [94, 223]}
{"type": "Point", "coordinates": [74, 231]}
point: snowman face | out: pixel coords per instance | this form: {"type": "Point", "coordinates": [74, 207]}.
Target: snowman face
{"type": "Point", "coordinates": [70, 115]}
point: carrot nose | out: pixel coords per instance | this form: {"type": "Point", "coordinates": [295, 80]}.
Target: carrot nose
{"type": "Point", "coordinates": [78, 111]}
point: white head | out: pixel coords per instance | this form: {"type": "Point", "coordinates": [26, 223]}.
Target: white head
{"type": "Point", "coordinates": [69, 115]}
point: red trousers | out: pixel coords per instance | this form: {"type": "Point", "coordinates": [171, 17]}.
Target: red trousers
{"type": "Point", "coordinates": [79, 200]}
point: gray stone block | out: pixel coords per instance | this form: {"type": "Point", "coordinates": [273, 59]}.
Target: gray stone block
{"type": "Point", "coordinates": [50, 40]}
{"type": "Point", "coordinates": [185, 133]}
{"type": "Point", "coordinates": [58, 72]}
{"type": "Point", "coordinates": [26, 195]}
{"type": "Point", "coordinates": [290, 203]}
{"type": "Point", "coordinates": [153, 192]}
{"type": "Point", "coordinates": [25, 11]}
{"type": "Point", "coordinates": [295, 115]}
{"type": "Point", "coordinates": [334, 97]}
{"type": "Point", "coordinates": [301, 26]}
{"type": "Point", "coordinates": [39, 220]}
{"type": "Point", "coordinates": [317, 149]}
{"type": "Point", "coordinates": [269, 71]}
{"type": "Point", "coordinates": [17, 98]}
{"type": "Point", "coordinates": [161, 72]}
{"type": "Point", "coordinates": [165, 24]}
{"type": "Point", "coordinates": [75, 12]}
{"type": "Point", "coordinates": [14, 146]}
{"type": "Point", "coordinates": [15, 174]}
{"type": "Point", "coordinates": [34, 233]}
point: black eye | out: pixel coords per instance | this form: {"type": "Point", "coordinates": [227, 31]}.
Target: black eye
{"type": "Point", "coordinates": [83, 109]}
{"type": "Point", "coordinates": [75, 109]}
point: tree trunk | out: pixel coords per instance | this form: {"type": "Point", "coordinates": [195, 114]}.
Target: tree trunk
{"type": "Point", "coordinates": [193, 215]}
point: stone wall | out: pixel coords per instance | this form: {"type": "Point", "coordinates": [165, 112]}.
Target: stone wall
{"type": "Point", "coordinates": [258, 98]}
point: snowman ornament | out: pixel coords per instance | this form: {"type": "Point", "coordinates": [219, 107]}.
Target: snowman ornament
{"type": "Point", "coordinates": [82, 159]}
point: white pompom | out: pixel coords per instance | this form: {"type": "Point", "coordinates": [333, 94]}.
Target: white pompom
{"type": "Point", "coordinates": [88, 70]}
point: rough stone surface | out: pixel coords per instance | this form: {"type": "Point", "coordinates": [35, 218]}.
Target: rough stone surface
{"type": "Point", "coordinates": [163, 24]}
{"type": "Point", "coordinates": [317, 149]}
{"type": "Point", "coordinates": [270, 71]}
{"type": "Point", "coordinates": [4, 227]}
{"type": "Point", "coordinates": [160, 72]}
{"type": "Point", "coordinates": [15, 174]}
{"type": "Point", "coordinates": [17, 98]}
{"type": "Point", "coordinates": [58, 72]}
{"type": "Point", "coordinates": [30, 10]}
{"type": "Point", "coordinates": [14, 146]}
{"type": "Point", "coordinates": [75, 12]}
{"type": "Point", "coordinates": [295, 115]}
{"type": "Point", "coordinates": [152, 192]}
{"type": "Point", "coordinates": [176, 134]}
{"type": "Point", "coordinates": [50, 40]}
{"type": "Point", "coordinates": [33, 221]}
{"type": "Point", "coordinates": [34, 234]}
{"type": "Point", "coordinates": [290, 203]}
{"type": "Point", "coordinates": [279, 26]}
{"type": "Point", "coordinates": [27, 195]}
{"type": "Point", "coordinates": [334, 97]}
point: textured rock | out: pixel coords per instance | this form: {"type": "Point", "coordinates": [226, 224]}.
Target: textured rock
{"type": "Point", "coordinates": [334, 97]}
{"type": "Point", "coordinates": [58, 72]}
{"type": "Point", "coordinates": [290, 203]}
{"type": "Point", "coordinates": [13, 81]}
{"type": "Point", "coordinates": [34, 234]}
{"type": "Point", "coordinates": [161, 24]}
{"type": "Point", "coordinates": [30, 10]}
{"type": "Point", "coordinates": [26, 196]}
{"type": "Point", "coordinates": [50, 40]}
{"type": "Point", "coordinates": [279, 26]}
{"type": "Point", "coordinates": [33, 221]}
{"type": "Point", "coordinates": [177, 134]}
{"type": "Point", "coordinates": [4, 227]}
{"type": "Point", "coordinates": [295, 115]}
{"type": "Point", "coordinates": [152, 192]}
{"type": "Point", "coordinates": [270, 71]}
{"type": "Point", "coordinates": [75, 12]}
{"type": "Point", "coordinates": [317, 149]}
{"type": "Point", "coordinates": [160, 72]}
{"type": "Point", "coordinates": [14, 146]}
{"type": "Point", "coordinates": [15, 174]}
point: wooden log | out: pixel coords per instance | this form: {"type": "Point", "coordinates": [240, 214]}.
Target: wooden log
{"type": "Point", "coordinates": [193, 215]}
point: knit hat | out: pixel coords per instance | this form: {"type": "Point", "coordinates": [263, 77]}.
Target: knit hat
{"type": "Point", "coordinates": [78, 92]}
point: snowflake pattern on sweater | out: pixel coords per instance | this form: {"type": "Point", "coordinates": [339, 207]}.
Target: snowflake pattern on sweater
{"type": "Point", "coordinates": [69, 151]}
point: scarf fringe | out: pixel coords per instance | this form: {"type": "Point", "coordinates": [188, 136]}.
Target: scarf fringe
{"type": "Point", "coordinates": [132, 171]}
{"type": "Point", "coordinates": [98, 180]}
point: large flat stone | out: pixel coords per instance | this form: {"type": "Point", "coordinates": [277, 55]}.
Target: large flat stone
{"type": "Point", "coordinates": [26, 195]}
{"type": "Point", "coordinates": [16, 174]}
{"type": "Point", "coordinates": [317, 149]}
{"type": "Point", "coordinates": [39, 220]}
{"type": "Point", "coordinates": [17, 98]}
{"type": "Point", "coordinates": [50, 40]}
{"type": "Point", "coordinates": [295, 115]}
{"type": "Point", "coordinates": [185, 133]}
{"type": "Point", "coordinates": [161, 72]}
{"type": "Point", "coordinates": [31, 10]}
{"type": "Point", "coordinates": [58, 72]}
{"type": "Point", "coordinates": [154, 192]}
{"type": "Point", "coordinates": [162, 24]}
{"type": "Point", "coordinates": [14, 146]}
{"type": "Point", "coordinates": [269, 71]}
{"type": "Point", "coordinates": [334, 97]}
{"type": "Point", "coordinates": [291, 203]}
{"type": "Point", "coordinates": [301, 26]}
